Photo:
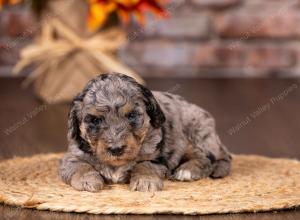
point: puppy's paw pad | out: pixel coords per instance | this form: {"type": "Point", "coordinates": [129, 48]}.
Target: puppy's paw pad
{"type": "Point", "coordinates": [90, 181]}
{"type": "Point", "coordinates": [146, 184]}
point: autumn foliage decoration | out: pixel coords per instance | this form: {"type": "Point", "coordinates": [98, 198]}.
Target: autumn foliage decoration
{"type": "Point", "coordinates": [65, 55]}
{"type": "Point", "coordinates": [100, 10]}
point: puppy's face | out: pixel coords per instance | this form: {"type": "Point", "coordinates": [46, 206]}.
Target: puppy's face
{"type": "Point", "coordinates": [115, 130]}
{"type": "Point", "coordinates": [114, 116]}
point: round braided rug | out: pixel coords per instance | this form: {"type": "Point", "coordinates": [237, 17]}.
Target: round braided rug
{"type": "Point", "coordinates": [255, 184]}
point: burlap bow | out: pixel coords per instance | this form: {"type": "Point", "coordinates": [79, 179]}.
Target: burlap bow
{"type": "Point", "coordinates": [57, 46]}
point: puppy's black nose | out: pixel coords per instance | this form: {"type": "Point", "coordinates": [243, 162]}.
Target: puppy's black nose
{"type": "Point", "coordinates": [116, 150]}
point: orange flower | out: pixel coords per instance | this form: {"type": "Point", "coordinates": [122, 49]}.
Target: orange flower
{"type": "Point", "coordinates": [100, 10]}
{"type": "Point", "coordinates": [5, 2]}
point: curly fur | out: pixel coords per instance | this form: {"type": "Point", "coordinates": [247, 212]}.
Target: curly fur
{"type": "Point", "coordinates": [121, 132]}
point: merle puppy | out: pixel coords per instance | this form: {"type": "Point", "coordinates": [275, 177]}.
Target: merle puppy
{"type": "Point", "coordinates": [121, 132]}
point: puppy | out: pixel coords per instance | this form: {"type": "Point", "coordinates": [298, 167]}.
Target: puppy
{"type": "Point", "coordinates": [121, 132]}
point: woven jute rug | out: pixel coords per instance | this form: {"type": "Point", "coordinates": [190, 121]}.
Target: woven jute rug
{"type": "Point", "coordinates": [255, 184]}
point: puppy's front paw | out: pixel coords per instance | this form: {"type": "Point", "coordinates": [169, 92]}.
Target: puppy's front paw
{"type": "Point", "coordinates": [90, 181]}
{"type": "Point", "coordinates": [146, 183]}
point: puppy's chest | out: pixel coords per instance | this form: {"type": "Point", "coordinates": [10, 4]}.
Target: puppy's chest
{"type": "Point", "coordinates": [115, 175]}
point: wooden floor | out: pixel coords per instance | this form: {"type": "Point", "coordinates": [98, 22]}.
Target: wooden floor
{"type": "Point", "coordinates": [258, 116]}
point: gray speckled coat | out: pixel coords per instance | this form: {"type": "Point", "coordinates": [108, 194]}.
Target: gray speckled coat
{"type": "Point", "coordinates": [119, 131]}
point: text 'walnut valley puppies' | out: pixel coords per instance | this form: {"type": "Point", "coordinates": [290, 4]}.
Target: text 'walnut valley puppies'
{"type": "Point", "coordinates": [121, 132]}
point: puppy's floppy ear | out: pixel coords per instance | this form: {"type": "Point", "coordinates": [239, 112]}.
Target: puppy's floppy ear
{"type": "Point", "coordinates": [74, 134]}
{"type": "Point", "coordinates": [73, 120]}
{"type": "Point", "coordinates": [157, 117]}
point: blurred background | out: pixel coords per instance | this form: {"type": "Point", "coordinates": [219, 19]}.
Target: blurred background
{"type": "Point", "coordinates": [201, 38]}
{"type": "Point", "coordinates": [239, 59]}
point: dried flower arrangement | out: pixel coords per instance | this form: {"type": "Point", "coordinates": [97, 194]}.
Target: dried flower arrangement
{"type": "Point", "coordinates": [70, 50]}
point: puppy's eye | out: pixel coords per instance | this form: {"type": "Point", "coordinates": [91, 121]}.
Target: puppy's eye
{"type": "Point", "coordinates": [132, 116]}
{"type": "Point", "coordinates": [92, 119]}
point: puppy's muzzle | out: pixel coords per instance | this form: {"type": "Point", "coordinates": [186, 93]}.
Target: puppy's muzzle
{"type": "Point", "coordinates": [116, 150]}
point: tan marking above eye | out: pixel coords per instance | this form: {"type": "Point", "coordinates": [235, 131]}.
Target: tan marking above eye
{"type": "Point", "coordinates": [94, 111]}
{"type": "Point", "coordinates": [127, 108]}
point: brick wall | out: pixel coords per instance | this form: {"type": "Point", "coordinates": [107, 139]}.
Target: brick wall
{"type": "Point", "coordinates": [220, 38]}
{"type": "Point", "coordinates": [244, 38]}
